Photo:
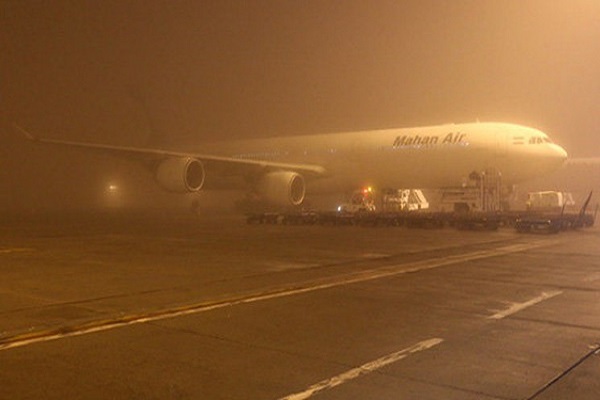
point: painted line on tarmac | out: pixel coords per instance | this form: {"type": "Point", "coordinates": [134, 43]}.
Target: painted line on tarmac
{"type": "Point", "coordinates": [362, 370]}
{"type": "Point", "coordinates": [64, 332]}
{"type": "Point", "coordinates": [15, 250]}
{"type": "Point", "coordinates": [592, 278]}
{"type": "Point", "coordinates": [516, 307]}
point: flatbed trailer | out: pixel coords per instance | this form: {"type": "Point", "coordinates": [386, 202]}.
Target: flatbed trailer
{"type": "Point", "coordinates": [522, 221]}
{"type": "Point", "coordinates": [556, 222]}
{"type": "Point", "coordinates": [553, 223]}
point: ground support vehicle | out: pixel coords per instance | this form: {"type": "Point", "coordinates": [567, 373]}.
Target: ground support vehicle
{"type": "Point", "coordinates": [427, 220]}
{"type": "Point", "coordinates": [300, 218]}
{"type": "Point", "coordinates": [554, 223]}
{"type": "Point", "coordinates": [263, 218]}
{"type": "Point", "coordinates": [489, 221]}
{"type": "Point", "coordinates": [522, 221]}
{"type": "Point", "coordinates": [548, 201]}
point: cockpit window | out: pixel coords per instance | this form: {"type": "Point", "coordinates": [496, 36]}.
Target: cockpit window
{"type": "Point", "coordinates": [547, 140]}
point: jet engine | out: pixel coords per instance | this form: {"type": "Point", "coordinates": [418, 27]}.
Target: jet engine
{"type": "Point", "coordinates": [180, 175]}
{"type": "Point", "coordinates": [282, 188]}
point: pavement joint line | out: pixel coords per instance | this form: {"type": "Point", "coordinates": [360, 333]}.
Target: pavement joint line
{"type": "Point", "coordinates": [594, 351]}
{"type": "Point", "coordinates": [516, 307]}
{"type": "Point", "coordinates": [364, 369]}
{"type": "Point", "coordinates": [63, 332]}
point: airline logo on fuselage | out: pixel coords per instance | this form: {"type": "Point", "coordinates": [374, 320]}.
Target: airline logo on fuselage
{"type": "Point", "coordinates": [418, 140]}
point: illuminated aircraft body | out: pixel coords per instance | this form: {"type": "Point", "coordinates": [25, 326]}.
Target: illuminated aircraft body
{"type": "Point", "coordinates": [280, 170]}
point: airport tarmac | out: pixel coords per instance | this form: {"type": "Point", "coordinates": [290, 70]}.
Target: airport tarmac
{"type": "Point", "coordinates": [168, 307]}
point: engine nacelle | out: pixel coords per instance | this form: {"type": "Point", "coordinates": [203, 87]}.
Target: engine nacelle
{"type": "Point", "coordinates": [282, 188]}
{"type": "Point", "coordinates": [180, 175]}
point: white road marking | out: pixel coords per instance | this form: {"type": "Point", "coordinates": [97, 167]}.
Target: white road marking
{"type": "Point", "coordinates": [370, 256]}
{"type": "Point", "coordinates": [15, 250]}
{"type": "Point", "coordinates": [296, 289]}
{"type": "Point", "coordinates": [363, 370]}
{"type": "Point", "coordinates": [281, 266]}
{"type": "Point", "coordinates": [516, 307]}
{"type": "Point", "coordinates": [592, 278]}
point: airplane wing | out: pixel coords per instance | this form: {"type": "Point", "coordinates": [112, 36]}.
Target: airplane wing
{"type": "Point", "coordinates": [225, 165]}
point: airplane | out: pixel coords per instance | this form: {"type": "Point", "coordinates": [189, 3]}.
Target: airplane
{"type": "Point", "coordinates": [280, 171]}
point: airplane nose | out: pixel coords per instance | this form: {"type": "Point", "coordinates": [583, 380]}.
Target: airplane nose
{"type": "Point", "coordinates": [556, 156]}
{"type": "Point", "coordinates": [561, 153]}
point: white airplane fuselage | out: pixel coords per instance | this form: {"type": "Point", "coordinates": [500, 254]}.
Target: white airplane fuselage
{"type": "Point", "coordinates": [280, 171]}
{"type": "Point", "coordinates": [425, 157]}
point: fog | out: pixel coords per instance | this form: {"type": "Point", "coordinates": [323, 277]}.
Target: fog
{"type": "Point", "coordinates": [177, 73]}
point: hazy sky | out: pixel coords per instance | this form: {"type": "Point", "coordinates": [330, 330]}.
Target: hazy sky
{"type": "Point", "coordinates": [116, 71]}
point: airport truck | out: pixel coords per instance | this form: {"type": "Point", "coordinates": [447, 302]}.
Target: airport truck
{"type": "Point", "coordinates": [395, 200]}
{"type": "Point", "coordinates": [361, 201]}
{"type": "Point", "coordinates": [390, 200]}
{"type": "Point", "coordinates": [548, 200]}
{"type": "Point", "coordinates": [482, 192]}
